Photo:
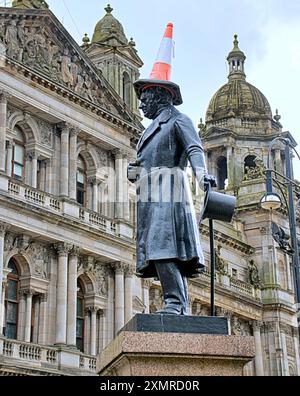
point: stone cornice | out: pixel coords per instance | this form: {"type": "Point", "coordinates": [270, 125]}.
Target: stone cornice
{"type": "Point", "coordinates": [227, 240]}
{"type": "Point", "coordinates": [72, 97]}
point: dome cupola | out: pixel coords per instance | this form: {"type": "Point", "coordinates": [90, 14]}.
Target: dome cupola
{"type": "Point", "coordinates": [236, 60]}
{"type": "Point", "coordinates": [109, 30]}
{"type": "Point", "coordinates": [238, 98]}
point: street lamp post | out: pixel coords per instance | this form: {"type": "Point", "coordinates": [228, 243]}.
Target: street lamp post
{"type": "Point", "coordinates": [272, 201]}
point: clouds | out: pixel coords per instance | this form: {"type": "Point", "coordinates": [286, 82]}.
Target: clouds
{"type": "Point", "coordinates": [269, 34]}
{"type": "Point", "coordinates": [276, 71]}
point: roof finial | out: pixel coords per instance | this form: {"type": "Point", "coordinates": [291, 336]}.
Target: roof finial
{"type": "Point", "coordinates": [277, 117]}
{"type": "Point", "coordinates": [108, 9]}
{"type": "Point", "coordinates": [236, 42]}
{"type": "Point", "coordinates": [132, 42]}
{"type": "Point", "coordinates": [86, 39]}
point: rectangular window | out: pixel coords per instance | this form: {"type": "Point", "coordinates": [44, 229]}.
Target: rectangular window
{"type": "Point", "coordinates": [18, 171]}
{"type": "Point", "coordinates": [80, 196]}
{"type": "Point", "coordinates": [19, 154]}
{"type": "Point", "coordinates": [11, 313]}
{"type": "Point", "coordinates": [12, 290]}
{"type": "Point", "coordinates": [11, 331]}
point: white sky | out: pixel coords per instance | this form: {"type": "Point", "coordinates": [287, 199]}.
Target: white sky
{"type": "Point", "coordinates": [269, 34]}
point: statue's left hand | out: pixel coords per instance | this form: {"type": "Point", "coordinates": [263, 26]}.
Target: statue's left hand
{"type": "Point", "coordinates": [210, 180]}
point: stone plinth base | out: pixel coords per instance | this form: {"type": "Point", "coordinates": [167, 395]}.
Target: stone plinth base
{"type": "Point", "coordinates": [175, 354]}
{"type": "Point", "coordinates": [177, 324]}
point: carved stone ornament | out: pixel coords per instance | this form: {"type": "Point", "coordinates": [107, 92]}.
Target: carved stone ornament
{"type": "Point", "coordinates": [257, 172]}
{"type": "Point", "coordinates": [239, 327]}
{"type": "Point", "coordinates": [40, 45]}
{"type": "Point", "coordinates": [282, 238]}
{"type": "Point", "coordinates": [38, 4]}
{"type": "Point", "coordinates": [4, 227]}
{"type": "Point", "coordinates": [103, 156]}
{"type": "Point", "coordinates": [253, 274]}
{"type": "Point", "coordinates": [40, 258]}
{"type": "Point", "coordinates": [100, 275]}
{"type": "Point", "coordinates": [221, 264]}
{"type": "Point", "coordinates": [10, 242]}
{"type": "Point", "coordinates": [46, 133]}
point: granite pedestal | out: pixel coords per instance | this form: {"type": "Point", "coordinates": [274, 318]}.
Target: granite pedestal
{"type": "Point", "coordinates": [163, 345]}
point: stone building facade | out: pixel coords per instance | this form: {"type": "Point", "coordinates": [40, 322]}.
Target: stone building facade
{"type": "Point", "coordinates": [69, 122]}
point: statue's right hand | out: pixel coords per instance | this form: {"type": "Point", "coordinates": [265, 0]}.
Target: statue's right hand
{"type": "Point", "coordinates": [133, 172]}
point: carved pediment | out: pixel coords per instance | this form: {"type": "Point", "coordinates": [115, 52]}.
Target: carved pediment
{"type": "Point", "coordinates": [215, 131]}
{"type": "Point", "coordinates": [125, 51]}
{"type": "Point", "coordinates": [37, 40]}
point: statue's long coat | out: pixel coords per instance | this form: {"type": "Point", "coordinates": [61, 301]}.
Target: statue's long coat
{"type": "Point", "coordinates": [166, 221]}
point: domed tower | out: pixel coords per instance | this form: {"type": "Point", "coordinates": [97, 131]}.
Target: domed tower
{"type": "Point", "coordinates": [115, 57]}
{"type": "Point", "coordinates": [239, 128]}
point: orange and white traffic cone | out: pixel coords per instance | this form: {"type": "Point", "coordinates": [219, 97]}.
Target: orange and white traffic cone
{"type": "Point", "coordinates": [161, 72]}
{"type": "Point", "coordinates": [163, 65]}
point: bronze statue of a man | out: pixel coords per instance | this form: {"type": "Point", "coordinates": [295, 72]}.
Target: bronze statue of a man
{"type": "Point", "coordinates": [168, 241]}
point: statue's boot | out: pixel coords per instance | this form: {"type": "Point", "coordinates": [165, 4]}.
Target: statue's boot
{"type": "Point", "coordinates": [174, 287]}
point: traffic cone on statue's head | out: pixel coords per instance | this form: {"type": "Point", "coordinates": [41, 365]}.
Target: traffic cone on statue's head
{"type": "Point", "coordinates": [161, 72]}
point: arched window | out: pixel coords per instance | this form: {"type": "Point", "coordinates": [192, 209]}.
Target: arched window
{"type": "Point", "coordinates": [12, 301]}
{"type": "Point", "coordinates": [80, 317]}
{"type": "Point", "coordinates": [81, 181]}
{"type": "Point", "coordinates": [222, 173]}
{"type": "Point", "coordinates": [126, 88]}
{"type": "Point", "coordinates": [250, 162]}
{"type": "Point", "coordinates": [18, 154]}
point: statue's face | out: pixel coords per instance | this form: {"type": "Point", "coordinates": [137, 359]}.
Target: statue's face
{"type": "Point", "coordinates": [149, 105]}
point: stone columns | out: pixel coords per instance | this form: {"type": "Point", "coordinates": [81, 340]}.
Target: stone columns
{"type": "Point", "coordinates": [119, 210]}
{"type": "Point", "coordinates": [128, 292]}
{"type": "Point", "coordinates": [230, 166]}
{"type": "Point", "coordinates": [87, 332]}
{"type": "Point", "coordinates": [9, 148]}
{"type": "Point", "coordinates": [283, 330]}
{"type": "Point", "coordinates": [110, 314]}
{"type": "Point", "coordinates": [28, 313]}
{"type": "Point", "coordinates": [34, 169]}
{"type": "Point", "coordinates": [93, 310]}
{"type": "Point", "coordinates": [278, 161]}
{"type": "Point", "coordinates": [3, 228]}
{"type": "Point", "coordinates": [2, 301]}
{"type": "Point", "coordinates": [42, 178]}
{"type": "Point", "coordinates": [95, 199]}
{"type": "Point", "coordinates": [73, 164]}
{"type": "Point", "coordinates": [295, 334]}
{"type": "Point", "coordinates": [63, 250]}
{"type": "Point", "coordinates": [103, 318]}
{"type": "Point", "coordinates": [3, 121]}
{"type": "Point", "coordinates": [28, 177]}
{"type": "Point", "coordinates": [146, 283]}
{"type": "Point", "coordinates": [259, 365]}
{"type": "Point", "coordinates": [72, 298]}
{"type": "Point", "coordinates": [111, 186]}
{"type": "Point", "coordinates": [64, 160]}
{"type": "Point", "coordinates": [21, 316]}
{"type": "Point", "coordinates": [55, 182]}
{"type": "Point", "coordinates": [43, 320]}
{"type": "Point", "coordinates": [36, 320]}
{"type": "Point", "coordinates": [119, 296]}
{"type": "Point", "coordinates": [122, 189]}
{"type": "Point", "coordinates": [49, 175]}
{"type": "Point", "coordinates": [126, 211]}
